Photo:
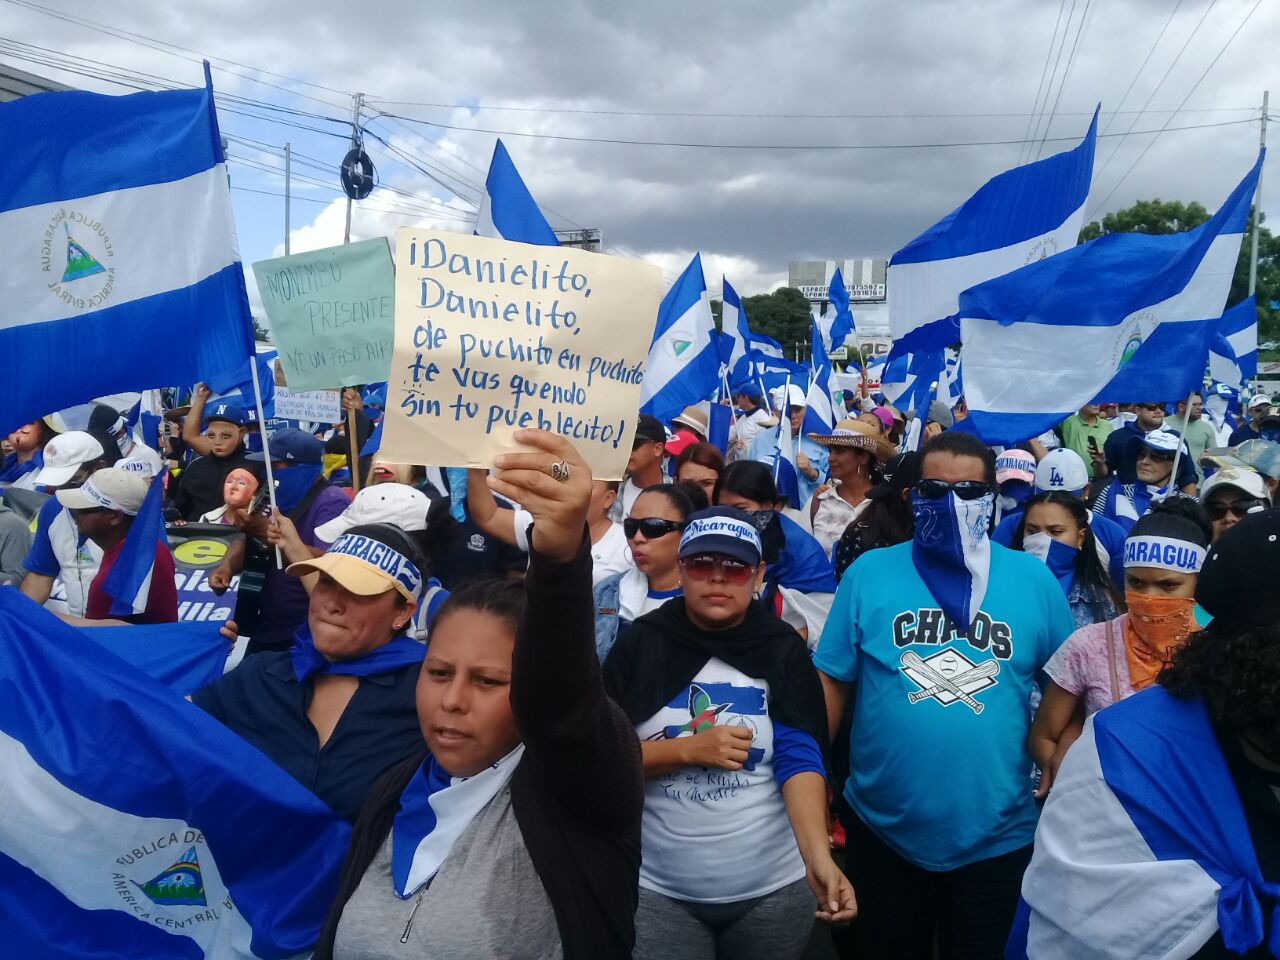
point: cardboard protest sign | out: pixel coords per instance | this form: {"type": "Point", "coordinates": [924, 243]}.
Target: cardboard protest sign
{"type": "Point", "coordinates": [493, 335]}
{"type": "Point", "coordinates": [331, 313]}
{"type": "Point", "coordinates": [315, 406]}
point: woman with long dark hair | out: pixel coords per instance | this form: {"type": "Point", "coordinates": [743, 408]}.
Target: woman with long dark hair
{"type": "Point", "coordinates": [729, 712]}
{"type": "Point", "coordinates": [515, 831]}
{"type": "Point", "coordinates": [799, 583]}
{"type": "Point", "coordinates": [887, 519]}
{"type": "Point", "coordinates": [1103, 663]}
{"type": "Point", "coordinates": [1054, 526]}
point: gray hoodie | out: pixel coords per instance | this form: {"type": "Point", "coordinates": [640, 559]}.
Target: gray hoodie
{"type": "Point", "coordinates": [15, 541]}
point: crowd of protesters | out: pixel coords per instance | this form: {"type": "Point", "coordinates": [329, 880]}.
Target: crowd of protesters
{"type": "Point", "coordinates": [691, 713]}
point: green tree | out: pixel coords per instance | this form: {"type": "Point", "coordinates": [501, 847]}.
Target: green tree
{"type": "Point", "coordinates": [1171, 216]}
{"type": "Point", "coordinates": [260, 332]}
{"type": "Point", "coordinates": [783, 315]}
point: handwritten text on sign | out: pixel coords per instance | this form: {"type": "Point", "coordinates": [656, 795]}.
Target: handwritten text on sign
{"type": "Point", "coordinates": [493, 335]}
{"type": "Point", "coordinates": [331, 313]}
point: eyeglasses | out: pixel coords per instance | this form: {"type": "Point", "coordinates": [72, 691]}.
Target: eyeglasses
{"type": "Point", "coordinates": [1218, 509]}
{"type": "Point", "coordinates": [702, 567]}
{"type": "Point", "coordinates": [963, 489]}
{"type": "Point", "coordinates": [1149, 406]}
{"type": "Point", "coordinates": [651, 527]}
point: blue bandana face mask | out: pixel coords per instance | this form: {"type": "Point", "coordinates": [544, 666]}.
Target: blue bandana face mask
{"type": "Point", "coordinates": [292, 483]}
{"type": "Point", "coordinates": [952, 553]}
{"type": "Point", "coordinates": [1059, 557]}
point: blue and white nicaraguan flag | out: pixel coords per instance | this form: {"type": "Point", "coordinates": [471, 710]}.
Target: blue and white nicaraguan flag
{"type": "Point", "coordinates": [836, 323]}
{"type": "Point", "coordinates": [1233, 352]}
{"type": "Point", "coordinates": [507, 209]}
{"type": "Point", "coordinates": [734, 331]}
{"type": "Point", "coordinates": [1126, 315]}
{"type": "Point", "coordinates": [684, 360]}
{"type": "Point", "coordinates": [1143, 849]}
{"type": "Point", "coordinates": [819, 410]}
{"type": "Point", "coordinates": [134, 824]}
{"type": "Point", "coordinates": [1018, 217]}
{"type": "Point", "coordinates": [129, 582]}
{"type": "Point", "coordinates": [121, 269]}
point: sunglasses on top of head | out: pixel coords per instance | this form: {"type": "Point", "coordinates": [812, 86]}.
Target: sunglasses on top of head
{"type": "Point", "coordinates": [963, 489]}
{"type": "Point", "coordinates": [703, 566]}
{"type": "Point", "coordinates": [651, 527]}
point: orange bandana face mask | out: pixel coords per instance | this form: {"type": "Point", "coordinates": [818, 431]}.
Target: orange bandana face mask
{"type": "Point", "coordinates": [1156, 628]}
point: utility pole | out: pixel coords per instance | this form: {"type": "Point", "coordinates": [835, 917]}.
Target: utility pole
{"type": "Point", "coordinates": [288, 156]}
{"type": "Point", "coordinates": [355, 143]}
{"type": "Point", "coordinates": [1257, 200]}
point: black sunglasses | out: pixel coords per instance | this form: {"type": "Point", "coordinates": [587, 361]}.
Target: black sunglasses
{"type": "Point", "coordinates": [1160, 455]}
{"type": "Point", "coordinates": [651, 527]}
{"type": "Point", "coordinates": [1237, 508]}
{"type": "Point", "coordinates": [963, 489]}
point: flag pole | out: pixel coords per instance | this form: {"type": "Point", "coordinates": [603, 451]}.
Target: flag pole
{"type": "Point", "coordinates": [266, 450]}
{"type": "Point", "coordinates": [1182, 442]}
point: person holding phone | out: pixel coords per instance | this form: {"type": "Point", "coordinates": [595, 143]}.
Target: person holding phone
{"type": "Point", "coordinates": [1086, 433]}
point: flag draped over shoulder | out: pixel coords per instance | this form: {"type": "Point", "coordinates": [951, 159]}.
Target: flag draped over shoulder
{"type": "Point", "coordinates": [137, 826]}
{"type": "Point", "coordinates": [1143, 849]}
{"type": "Point", "coordinates": [507, 209]}
{"type": "Point", "coordinates": [123, 272]}
{"type": "Point", "coordinates": [1233, 350]}
{"type": "Point", "coordinates": [1126, 315]}
{"type": "Point", "coordinates": [683, 367]}
{"type": "Point", "coordinates": [129, 582]}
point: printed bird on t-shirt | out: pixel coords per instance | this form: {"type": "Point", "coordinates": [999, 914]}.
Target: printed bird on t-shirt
{"type": "Point", "coordinates": [702, 714]}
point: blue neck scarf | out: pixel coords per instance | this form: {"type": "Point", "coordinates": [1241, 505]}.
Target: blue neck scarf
{"type": "Point", "coordinates": [435, 810]}
{"type": "Point", "coordinates": [952, 553]}
{"type": "Point", "coordinates": [399, 651]}
{"type": "Point", "coordinates": [1059, 557]}
{"type": "Point", "coordinates": [292, 483]}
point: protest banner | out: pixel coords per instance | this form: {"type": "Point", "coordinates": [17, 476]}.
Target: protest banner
{"type": "Point", "coordinates": [315, 406]}
{"type": "Point", "coordinates": [331, 313]}
{"type": "Point", "coordinates": [493, 335]}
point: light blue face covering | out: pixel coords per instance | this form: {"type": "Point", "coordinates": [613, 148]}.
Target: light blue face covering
{"type": "Point", "coordinates": [952, 553]}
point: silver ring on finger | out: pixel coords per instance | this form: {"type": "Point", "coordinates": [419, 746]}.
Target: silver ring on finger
{"type": "Point", "coordinates": [561, 471]}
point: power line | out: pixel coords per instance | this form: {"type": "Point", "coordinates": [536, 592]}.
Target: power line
{"type": "Point", "coordinates": [1145, 61]}
{"type": "Point", "coordinates": [1193, 89]}
{"type": "Point", "coordinates": [1181, 50]}
{"type": "Point", "coordinates": [1035, 105]}
{"type": "Point", "coordinates": [1066, 74]}
{"type": "Point", "coordinates": [363, 206]}
{"type": "Point", "coordinates": [781, 146]}
{"type": "Point", "coordinates": [1062, 44]}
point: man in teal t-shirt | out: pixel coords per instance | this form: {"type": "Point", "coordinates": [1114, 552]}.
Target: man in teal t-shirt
{"type": "Point", "coordinates": [940, 814]}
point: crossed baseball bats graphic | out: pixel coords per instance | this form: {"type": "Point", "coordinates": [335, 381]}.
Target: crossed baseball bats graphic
{"type": "Point", "coordinates": [940, 683]}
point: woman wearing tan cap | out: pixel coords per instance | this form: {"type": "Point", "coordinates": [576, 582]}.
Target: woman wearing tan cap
{"type": "Point", "coordinates": [853, 448]}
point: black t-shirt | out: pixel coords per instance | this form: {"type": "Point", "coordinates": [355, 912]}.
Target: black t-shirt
{"type": "Point", "coordinates": [468, 553]}
{"type": "Point", "coordinates": [200, 484]}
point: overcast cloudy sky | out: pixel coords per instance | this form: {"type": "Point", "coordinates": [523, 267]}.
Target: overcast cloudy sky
{"type": "Point", "coordinates": [860, 73]}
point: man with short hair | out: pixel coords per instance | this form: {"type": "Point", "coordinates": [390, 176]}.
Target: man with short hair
{"type": "Point", "coordinates": [943, 637]}
{"type": "Point", "coordinates": [1259, 406]}
{"type": "Point", "coordinates": [1195, 430]}
{"type": "Point", "coordinates": [752, 418]}
{"type": "Point", "coordinates": [1086, 433]}
{"type": "Point", "coordinates": [59, 548]}
{"type": "Point", "coordinates": [104, 508]}
{"type": "Point", "coordinates": [1123, 445]}
{"type": "Point", "coordinates": [644, 466]}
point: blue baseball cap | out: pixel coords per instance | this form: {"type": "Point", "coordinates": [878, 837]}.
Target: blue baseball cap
{"type": "Point", "coordinates": [724, 531]}
{"type": "Point", "coordinates": [224, 410]}
{"type": "Point", "coordinates": [292, 446]}
{"type": "Point", "coordinates": [747, 388]}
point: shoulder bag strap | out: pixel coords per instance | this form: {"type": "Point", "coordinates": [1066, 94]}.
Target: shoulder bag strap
{"type": "Point", "coordinates": [1111, 661]}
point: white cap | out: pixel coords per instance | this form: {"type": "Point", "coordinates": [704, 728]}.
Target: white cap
{"type": "Point", "coordinates": [794, 395]}
{"type": "Point", "coordinates": [142, 460]}
{"type": "Point", "coordinates": [1246, 481]}
{"type": "Point", "coordinates": [109, 488]}
{"type": "Point", "coordinates": [1062, 469]}
{"type": "Point", "coordinates": [1166, 441]}
{"type": "Point", "coordinates": [1015, 465]}
{"type": "Point", "coordinates": [65, 454]}
{"type": "Point", "coordinates": [395, 503]}
{"type": "Point", "coordinates": [1259, 400]}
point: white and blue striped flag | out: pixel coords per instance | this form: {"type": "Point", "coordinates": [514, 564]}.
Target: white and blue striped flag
{"type": "Point", "coordinates": [1143, 848]}
{"type": "Point", "coordinates": [507, 209]}
{"type": "Point", "coordinates": [1127, 315]}
{"type": "Point", "coordinates": [1233, 352]}
{"type": "Point", "coordinates": [129, 582]}
{"type": "Point", "coordinates": [135, 825]}
{"type": "Point", "coordinates": [785, 474]}
{"type": "Point", "coordinates": [120, 227]}
{"type": "Point", "coordinates": [1018, 217]}
{"type": "Point", "coordinates": [836, 322]}
{"type": "Point", "coordinates": [734, 331]}
{"type": "Point", "coordinates": [684, 361]}
{"type": "Point", "coordinates": [819, 411]}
